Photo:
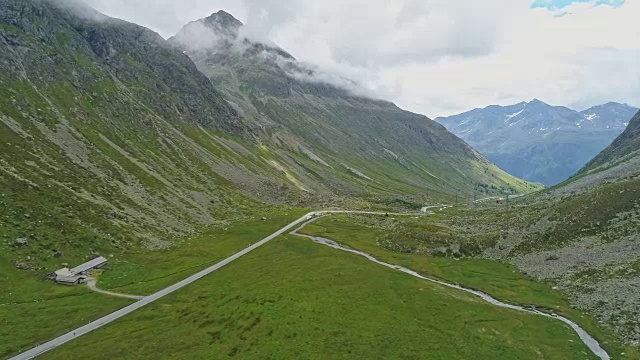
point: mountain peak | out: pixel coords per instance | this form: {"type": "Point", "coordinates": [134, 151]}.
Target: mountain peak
{"type": "Point", "coordinates": [223, 13]}
{"type": "Point", "coordinates": [224, 20]}
{"type": "Point", "coordinates": [564, 138]}
{"type": "Point", "coordinates": [211, 32]}
{"type": "Point", "coordinates": [536, 102]}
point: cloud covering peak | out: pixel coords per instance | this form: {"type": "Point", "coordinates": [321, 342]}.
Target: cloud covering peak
{"type": "Point", "coordinates": [440, 57]}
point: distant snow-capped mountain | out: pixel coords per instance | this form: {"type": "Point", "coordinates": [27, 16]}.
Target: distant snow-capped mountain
{"type": "Point", "coordinates": [539, 142]}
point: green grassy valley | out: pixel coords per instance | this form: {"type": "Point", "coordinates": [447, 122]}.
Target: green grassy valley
{"type": "Point", "coordinates": [167, 157]}
{"type": "Point", "coordinates": [295, 299]}
{"type": "Point", "coordinates": [411, 243]}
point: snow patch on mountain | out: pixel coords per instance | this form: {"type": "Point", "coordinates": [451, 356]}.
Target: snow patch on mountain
{"type": "Point", "coordinates": [511, 116]}
{"type": "Point", "coordinates": [539, 142]}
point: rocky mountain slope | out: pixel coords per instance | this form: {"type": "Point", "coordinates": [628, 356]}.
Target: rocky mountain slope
{"type": "Point", "coordinates": [325, 118]}
{"type": "Point", "coordinates": [623, 149]}
{"type": "Point", "coordinates": [583, 235]}
{"type": "Point", "coordinates": [540, 142]}
{"type": "Point", "coordinates": [112, 138]}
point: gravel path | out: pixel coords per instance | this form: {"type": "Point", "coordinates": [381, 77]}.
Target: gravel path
{"type": "Point", "coordinates": [91, 283]}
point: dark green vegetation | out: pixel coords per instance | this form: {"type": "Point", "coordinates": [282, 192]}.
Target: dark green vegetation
{"type": "Point", "coordinates": [393, 240]}
{"type": "Point", "coordinates": [294, 299]}
{"type": "Point", "coordinates": [144, 272]}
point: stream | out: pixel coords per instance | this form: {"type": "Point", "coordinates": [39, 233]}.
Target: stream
{"type": "Point", "coordinates": [587, 339]}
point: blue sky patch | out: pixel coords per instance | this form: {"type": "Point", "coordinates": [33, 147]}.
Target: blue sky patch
{"type": "Point", "coordinates": [559, 4]}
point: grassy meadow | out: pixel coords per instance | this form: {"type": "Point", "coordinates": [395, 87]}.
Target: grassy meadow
{"type": "Point", "coordinates": [35, 310]}
{"type": "Point", "coordinates": [294, 299]}
{"type": "Point", "coordinates": [501, 280]}
{"type": "Point", "coordinates": [32, 311]}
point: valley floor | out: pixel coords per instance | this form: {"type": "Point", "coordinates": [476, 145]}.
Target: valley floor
{"type": "Point", "coordinates": [293, 298]}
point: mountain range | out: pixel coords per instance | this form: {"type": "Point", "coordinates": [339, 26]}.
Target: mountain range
{"type": "Point", "coordinates": [539, 142]}
{"type": "Point", "coordinates": [109, 129]}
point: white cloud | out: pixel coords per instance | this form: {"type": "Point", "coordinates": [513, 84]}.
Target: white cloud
{"type": "Point", "coordinates": [440, 57]}
{"type": "Point", "coordinates": [165, 16]}
{"type": "Point", "coordinates": [579, 60]}
{"type": "Point", "coordinates": [379, 33]}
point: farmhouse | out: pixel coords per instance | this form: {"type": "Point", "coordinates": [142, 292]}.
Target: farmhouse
{"type": "Point", "coordinates": [78, 274]}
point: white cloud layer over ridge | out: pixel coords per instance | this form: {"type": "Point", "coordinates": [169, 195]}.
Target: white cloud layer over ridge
{"type": "Point", "coordinates": [439, 57]}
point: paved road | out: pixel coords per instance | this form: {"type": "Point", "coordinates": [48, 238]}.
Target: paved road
{"type": "Point", "coordinates": [587, 339]}
{"type": "Point", "coordinates": [92, 284]}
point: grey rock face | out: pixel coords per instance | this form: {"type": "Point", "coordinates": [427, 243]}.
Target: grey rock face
{"type": "Point", "coordinates": [22, 265]}
{"type": "Point", "coordinates": [21, 242]}
{"type": "Point", "coordinates": [99, 44]}
{"type": "Point", "coordinates": [624, 147]}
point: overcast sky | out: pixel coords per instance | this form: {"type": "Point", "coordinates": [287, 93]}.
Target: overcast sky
{"type": "Point", "coordinates": [441, 57]}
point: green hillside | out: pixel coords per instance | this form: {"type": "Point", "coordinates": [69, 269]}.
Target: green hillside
{"type": "Point", "coordinates": [112, 140]}
{"type": "Point", "coordinates": [621, 149]}
{"type": "Point", "coordinates": [387, 147]}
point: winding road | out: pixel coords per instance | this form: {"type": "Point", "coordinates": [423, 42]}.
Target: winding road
{"type": "Point", "coordinates": [300, 223]}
